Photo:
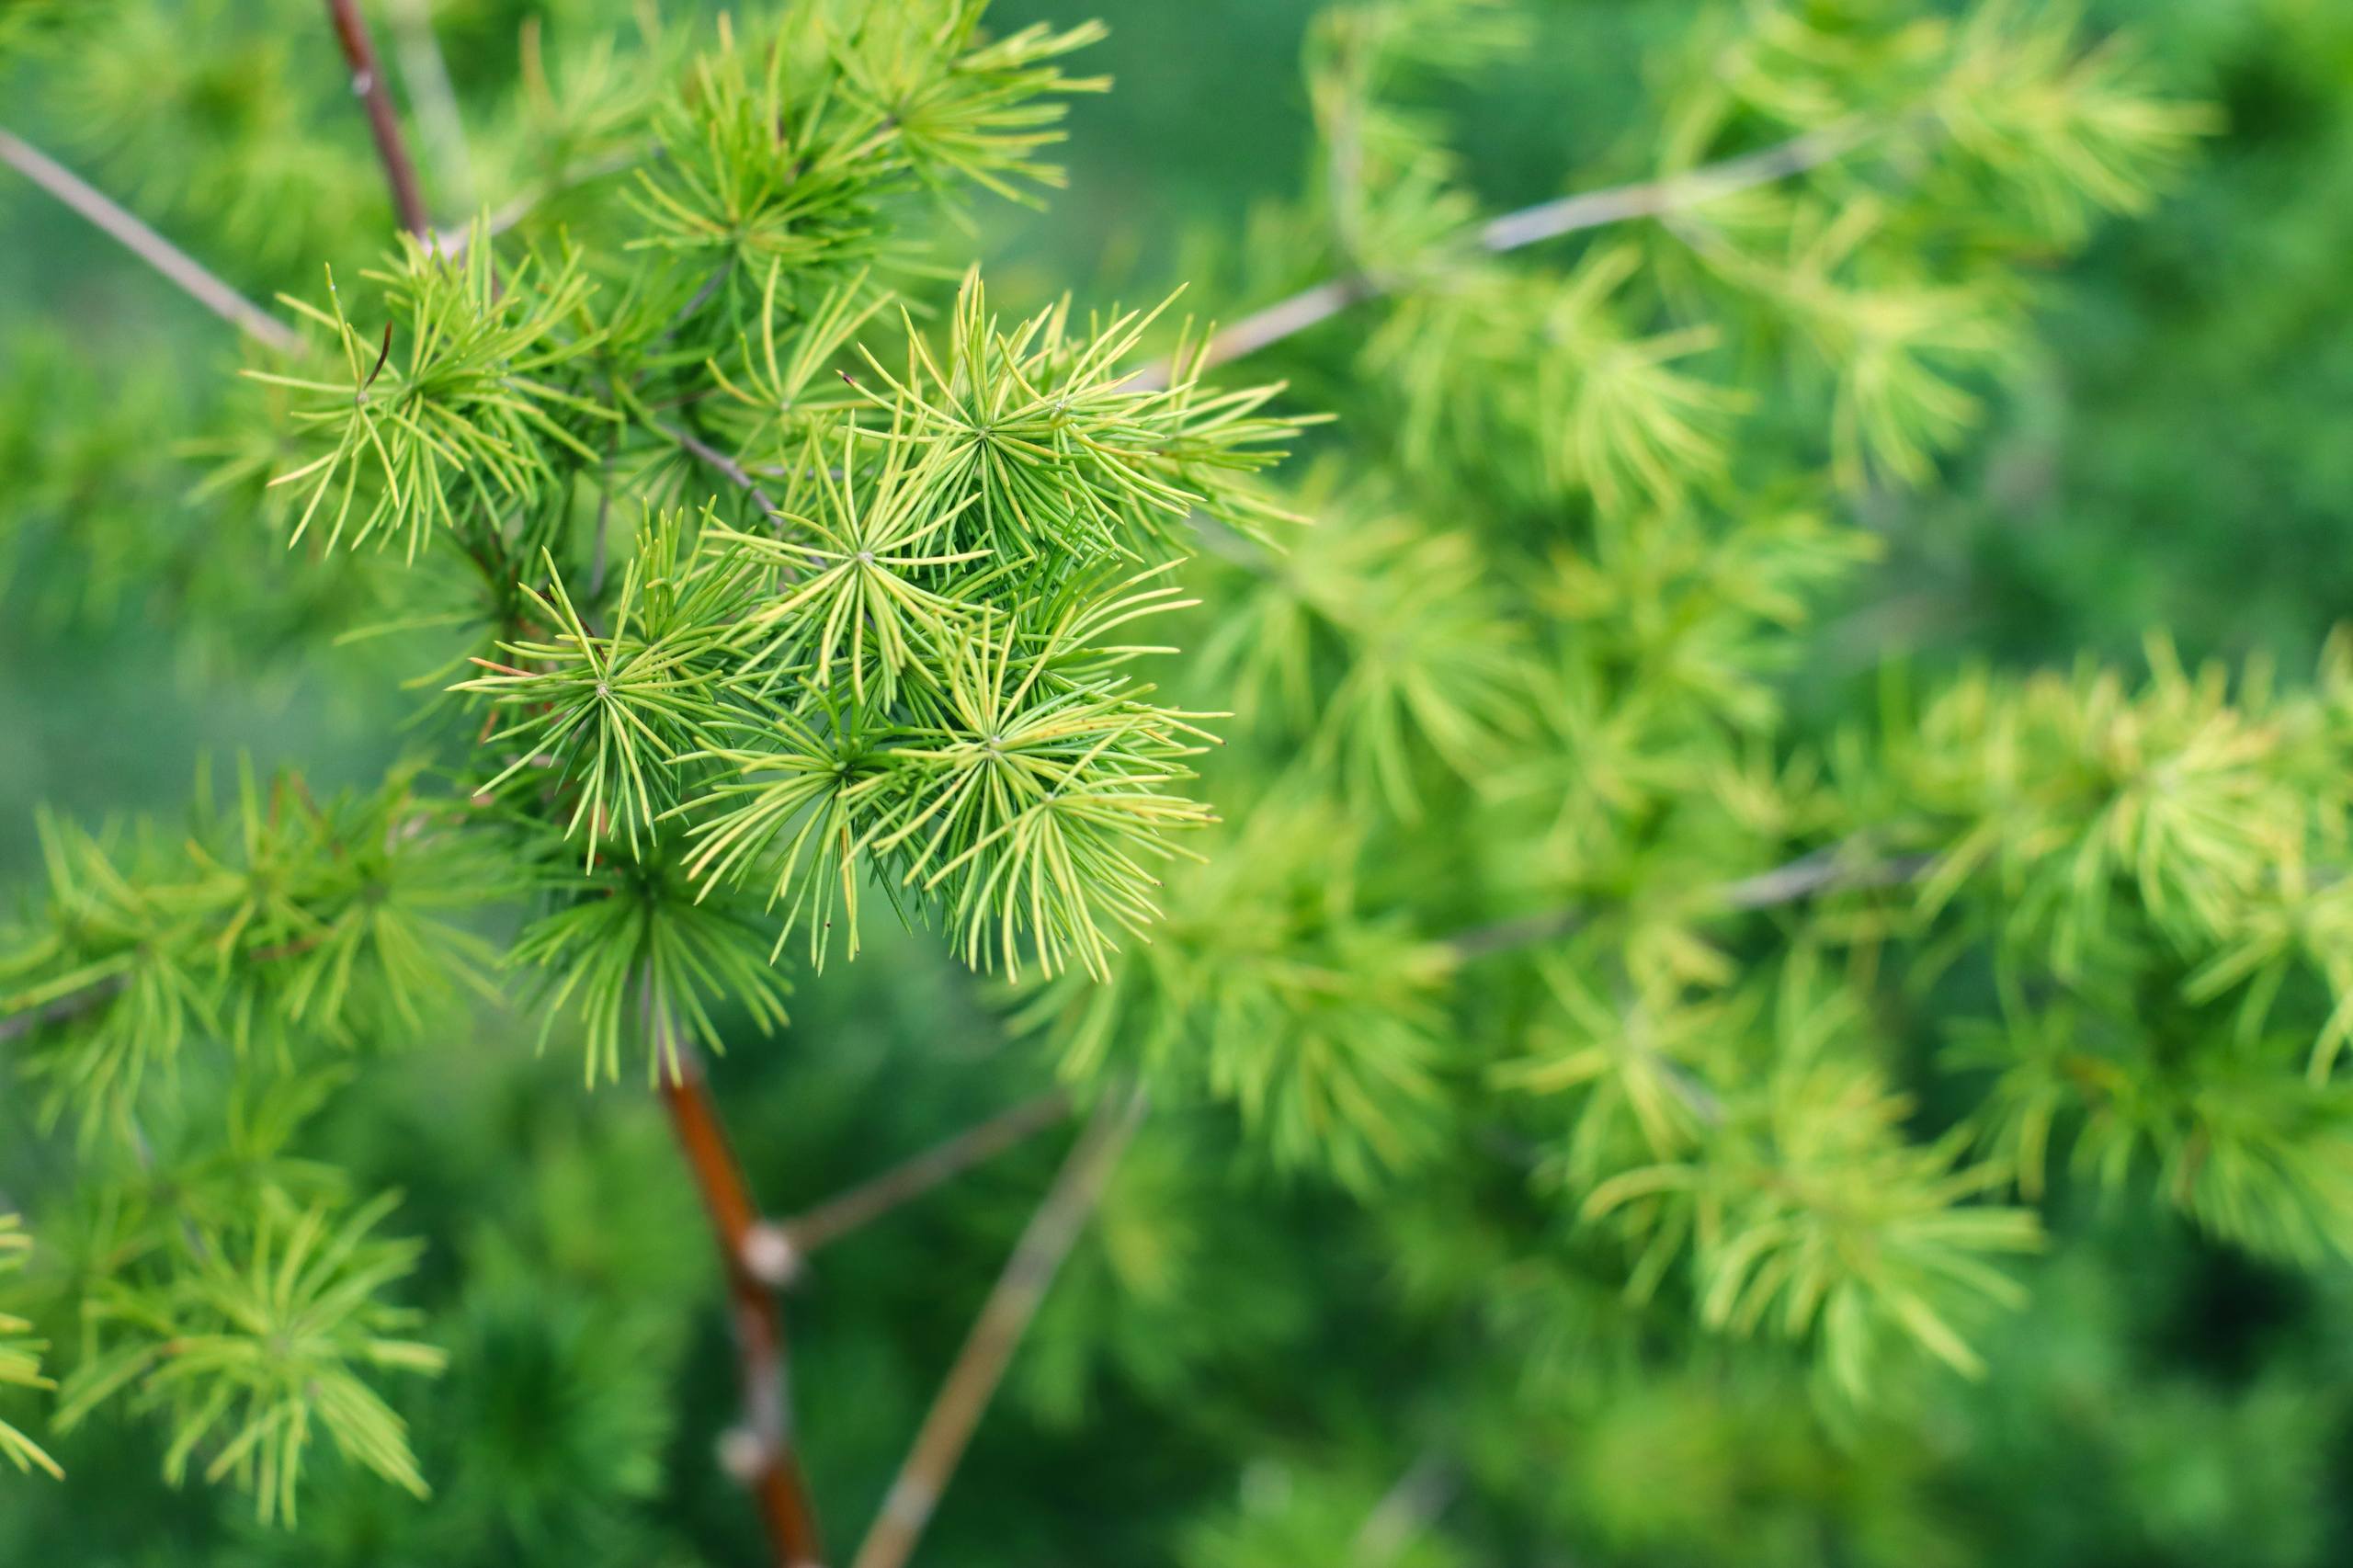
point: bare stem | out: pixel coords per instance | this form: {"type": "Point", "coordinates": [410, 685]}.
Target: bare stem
{"type": "Point", "coordinates": [1547, 220]}
{"type": "Point", "coordinates": [383, 123]}
{"type": "Point", "coordinates": [71, 1006]}
{"type": "Point", "coordinates": [869, 1201]}
{"type": "Point", "coordinates": [1834, 867]}
{"type": "Point", "coordinates": [426, 72]}
{"type": "Point", "coordinates": [956, 1412]}
{"type": "Point", "coordinates": [1404, 1512]}
{"type": "Point", "coordinates": [761, 1453]}
{"type": "Point", "coordinates": [149, 246]}
{"type": "Point", "coordinates": [1676, 193]}
{"type": "Point", "coordinates": [727, 468]}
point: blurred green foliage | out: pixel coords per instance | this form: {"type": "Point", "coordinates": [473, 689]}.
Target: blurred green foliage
{"type": "Point", "coordinates": [2173, 453]}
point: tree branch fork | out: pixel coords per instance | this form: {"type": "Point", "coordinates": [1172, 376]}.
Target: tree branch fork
{"type": "Point", "coordinates": [762, 1258]}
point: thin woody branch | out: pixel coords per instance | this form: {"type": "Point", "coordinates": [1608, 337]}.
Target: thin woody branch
{"type": "Point", "coordinates": [760, 1453]}
{"type": "Point", "coordinates": [65, 1010]}
{"type": "Point", "coordinates": [1546, 220]}
{"type": "Point", "coordinates": [863, 1204]}
{"type": "Point", "coordinates": [1833, 868]}
{"type": "Point", "coordinates": [175, 264]}
{"type": "Point", "coordinates": [956, 1412]}
{"type": "Point", "coordinates": [719, 462]}
{"type": "Point", "coordinates": [1406, 1511]}
{"type": "Point", "coordinates": [384, 121]}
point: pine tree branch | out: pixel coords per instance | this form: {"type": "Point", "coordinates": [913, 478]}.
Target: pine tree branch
{"type": "Point", "coordinates": [1832, 868]}
{"type": "Point", "coordinates": [426, 70]}
{"type": "Point", "coordinates": [453, 240]}
{"type": "Point", "coordinates": [1676, 193]}
{"type": "Point", "coordinates": [869, 1201]}
{"type": "Point", "coordinates": [61, 1010]}
{"type": "Point", "coordinates": [761, 1453]}
{"type": "Point", "coordinates": [721, 463]}
{"type": "Point", "coordinates": [175, 265]}
{"type": "Point", "coordinates": [1406, 1511]}
{"type": "Point", "coordinates": [1546, 220]}
{"type": "Point", "coordinates": [383, 123]}
{"type": "Point", "coordinates": [948, 1426]}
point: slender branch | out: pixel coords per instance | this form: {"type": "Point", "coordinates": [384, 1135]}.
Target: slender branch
{"type": "Point", "coordinates": [1676, 193]}
{"type": "Point", "coordinates": [454, 239]}
{"type": "Point", "coordinates": [64, 1008]}
{"type": "Point", "coordinates": [948, 1426]}
{"type": "Point", "coordinates": [1405, 1511]}
{"type": "Point", "coordinates": [1830, 868]}
{"type": "Point", "coordinates": [869, 1201]}
{"type": "Point", "coordinates": [761, 1452]}
{"type": "Point", "coordinates": [1824, 870]}
{"type": "Point", "coordinates": [383, 123]}
{"type": "Point", "coordinates": [175, 264]}
{"type": "Point", "coordinates": [1519, 931]}
{"type": "Point", "coordinates": [426, 70]}
{"type": "Point", "coordinates": [1547, 220]}
{"type": "Point", "coordinates": [727, 468]}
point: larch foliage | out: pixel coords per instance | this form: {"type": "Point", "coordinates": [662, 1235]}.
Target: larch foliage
{"type": "Point", "coordinates": [1430, 803]}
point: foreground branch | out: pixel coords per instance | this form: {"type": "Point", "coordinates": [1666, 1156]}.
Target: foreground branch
{"type": "Point", "coordinates": [863, 1204]}
{"type": "Point", "coordinates": [383, 123]}
{"type": "Point", "coordinates": [948, 1426]}
{"type": "Point", "coordinates": [175, 264]}
{"type": "Point", "coordinates": [760, 1454]}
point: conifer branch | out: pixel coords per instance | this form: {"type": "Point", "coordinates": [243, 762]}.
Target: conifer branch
{"type": "Point", "coordinates": [948, 1426]}
{"type": "Point", "coordinates": [869, 1201]}
{"type": "Point", "coordinates": [453, 240]}
{"type": "Point", "coordinates": [761, 1453]}
{"type": "Point", "coordinates": [1833, 868]}
{"type": "Point", "coordinates": [721, 463]}
{"type": "Point", "coordinates": [383, 123]}
{"type": "Point", "coordinates": [1675, 193]}
{"type": "Point", "coordinates": [426, 72]}
{"type": "Point", "coordinates": [1546, 220]}
{"type": "Point", "coordinates": [64, 1009]}
{"type": "Point", "coordinates": [1406, 1511]}
{"type": "Point", "coordinates": [175, 264]}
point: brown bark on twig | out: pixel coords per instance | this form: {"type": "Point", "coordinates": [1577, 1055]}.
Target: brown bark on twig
{"type": "Point", "coordinates": [761, 1453]}
{"type": "Point", "coordinates": [383, 123]}
{"type": "Point", "coordinates": [948, 1426]}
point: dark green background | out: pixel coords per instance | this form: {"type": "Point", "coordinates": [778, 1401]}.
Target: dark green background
{"type": "Point", "coordinates": [2178, 454]}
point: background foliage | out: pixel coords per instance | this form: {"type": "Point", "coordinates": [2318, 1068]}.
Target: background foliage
{"type": "Point", "coordinates": [1269, 1328]}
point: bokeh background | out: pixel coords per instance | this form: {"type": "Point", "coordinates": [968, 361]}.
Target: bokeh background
{"type": "Point", "coordinates": [2178, 454]}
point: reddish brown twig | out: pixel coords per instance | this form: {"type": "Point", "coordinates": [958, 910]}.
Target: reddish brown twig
{"type": "Point", "coordinates": [383, 123]}
{"type": "Point", "coordinates": [948, 1426]}
{"type": "Point", "coordinates": [760, 1454]}
{"type": "Point", "coordinates": [903, 1183]}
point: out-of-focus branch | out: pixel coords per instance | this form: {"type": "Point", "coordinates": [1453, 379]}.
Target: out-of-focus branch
{"type": "Point", "coordinates": [869, 1201]}
{"type": "Point", "coordinates": [177, 265]}
{"type": "Point", "coordinates": [1546, 220]}
{"type": "Point", "coordinates": [426, 72]}
{"type": "Point", "coordinates": [1837, 868]}
{"type": "Point", "coordinates": [368, 85]}
{"type": "Point", "coordinates": [948, 1426]}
